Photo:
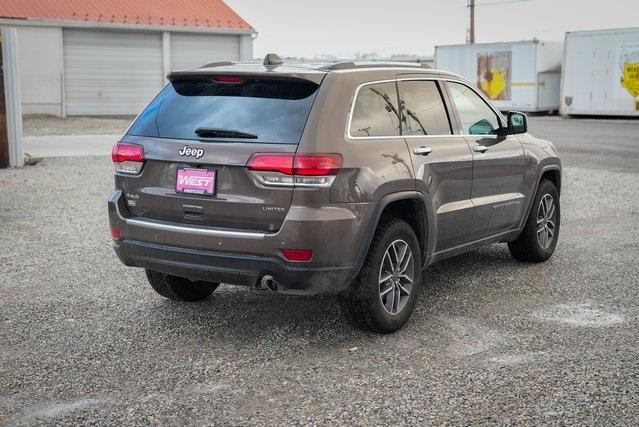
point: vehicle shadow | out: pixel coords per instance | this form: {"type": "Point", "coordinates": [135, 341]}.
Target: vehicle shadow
{"type": "Point", "coordinates": [257, 315]}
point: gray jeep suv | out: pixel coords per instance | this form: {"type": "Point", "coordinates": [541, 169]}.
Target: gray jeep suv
{"type": "Point", "coordinates": [347, 178]}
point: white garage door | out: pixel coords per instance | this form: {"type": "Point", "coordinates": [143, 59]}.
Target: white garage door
{"type": "Point", "coordinates": [195, 50]}
{"type": "Point", "coordinates": [111, 72]}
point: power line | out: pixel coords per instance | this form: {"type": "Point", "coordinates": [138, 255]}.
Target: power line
{"type": "Point", "coordinates": [493, 3]}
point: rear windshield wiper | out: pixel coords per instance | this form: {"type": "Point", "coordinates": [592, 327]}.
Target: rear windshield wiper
{"type": "Point", "coordinates": [223, 133]}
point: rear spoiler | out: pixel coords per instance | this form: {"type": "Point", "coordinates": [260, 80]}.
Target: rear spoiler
{"type": "Point", "coordinates": [312, 75]}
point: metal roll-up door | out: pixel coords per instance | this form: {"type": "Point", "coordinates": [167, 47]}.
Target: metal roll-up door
{"type": "Point", "coordinates": [195, 50]}
{"type": "Point", "coordinates": [111, 72]}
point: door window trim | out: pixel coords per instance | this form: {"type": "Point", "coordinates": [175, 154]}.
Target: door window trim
{"type": "Point", "coordinates": [444, 93]}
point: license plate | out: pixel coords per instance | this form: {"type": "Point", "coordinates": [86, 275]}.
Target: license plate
{"type": "Point", "coordinates": [195, 181]}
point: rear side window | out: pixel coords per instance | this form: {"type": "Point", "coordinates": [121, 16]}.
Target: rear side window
{"type": "Point", "coordinates": [237, 109]}
{"type": "Point", "coordinates": [375, 112]}
{"type": "Point", "coordinates": [423, 111]}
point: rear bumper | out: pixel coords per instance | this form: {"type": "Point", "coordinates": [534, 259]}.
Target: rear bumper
{"type": "Point", "coordinates": [237, 269]}
{"type": "Point", "coordinates": [244, 257]}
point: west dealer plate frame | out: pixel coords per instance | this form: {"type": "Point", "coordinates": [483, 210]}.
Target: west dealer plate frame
{"type": "Point", "coordinates": [196, 181]}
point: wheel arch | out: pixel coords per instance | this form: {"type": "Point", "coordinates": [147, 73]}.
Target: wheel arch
{"type": "Point", "coordinates": [401, 205]}
{"type": "Point", "coordinates": [550, 171]}
{"type": "Point", "coordinates": [553, 174]}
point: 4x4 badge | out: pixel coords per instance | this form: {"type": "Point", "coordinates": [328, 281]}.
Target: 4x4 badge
{"type": "Point", "coordinates": [193, 152]}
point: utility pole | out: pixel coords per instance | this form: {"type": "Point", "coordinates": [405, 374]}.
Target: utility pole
{"type": "Point", "coordinates": [471, 29]}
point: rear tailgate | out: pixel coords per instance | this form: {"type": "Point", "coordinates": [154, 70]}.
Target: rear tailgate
{"type": "Point", "coordinates": [235, 118]}
{"type": "Point", "coordinates": [238, 201]}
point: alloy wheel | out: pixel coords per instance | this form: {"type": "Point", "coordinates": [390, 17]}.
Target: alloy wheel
{"type": "Point", "coordinates": [396, 276]}
{"type": "Point", "coordinates": [546, 221]}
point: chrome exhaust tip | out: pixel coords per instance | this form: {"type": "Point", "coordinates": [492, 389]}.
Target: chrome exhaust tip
{"type": "Point", "coordinates": [269, 282]}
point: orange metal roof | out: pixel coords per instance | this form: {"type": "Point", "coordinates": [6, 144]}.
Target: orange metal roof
{"type": "Point", "coordinates": [178, 13]}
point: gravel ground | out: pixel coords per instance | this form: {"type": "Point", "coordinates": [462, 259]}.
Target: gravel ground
{"type": "Point", "coordinates": [42, 125]}
{"type": "Point", "coordinates": [84, 340]}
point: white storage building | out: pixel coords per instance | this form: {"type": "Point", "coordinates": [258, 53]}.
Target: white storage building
{"type": "Point", "coordinates": [601, 73]}
{"type": "Point", "coordinates": [522, 76]}
{"type": "Point", "coordinates": [109, 57]}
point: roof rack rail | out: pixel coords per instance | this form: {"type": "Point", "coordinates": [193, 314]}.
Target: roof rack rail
{"type": "Point", "coordinates": [348, 65]}
{"type": "Point", "coordinates": [217, 64]}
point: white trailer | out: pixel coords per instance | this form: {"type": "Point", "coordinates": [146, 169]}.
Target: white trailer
{"type": "Point", "coordinates": [600, 75]}
{"type": "Point", "coordinates": [520, 76]}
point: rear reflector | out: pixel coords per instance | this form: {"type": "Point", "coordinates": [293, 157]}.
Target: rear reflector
{"type": "Point", "coordinates": [127, 158]}
{"type": "Point", "coordinates": [116, 234]}
{"type": "Point", "coordinates": [298, 255]}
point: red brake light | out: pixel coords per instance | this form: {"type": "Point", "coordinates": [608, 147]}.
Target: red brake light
{"type": "Point", "coordinates": [272, 162]}
{"type": "Point", "coordinates": [298, 255]}
{"type": "Point", "coordinates": [296, 164]}
{"type": "Point", "coordinates": [228, 79]}
{"type": "Point", "coordinates": [123, 152]}
{"type": "Point", "coordinates": [128, 158]}
{"type": "Point", "coordinates": [317, 164]}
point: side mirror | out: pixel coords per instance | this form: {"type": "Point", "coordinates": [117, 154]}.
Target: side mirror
{"type": "Point", "coordinates": [517, 123]}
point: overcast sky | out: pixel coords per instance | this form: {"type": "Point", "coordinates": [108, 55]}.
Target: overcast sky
{"type": "Point", "coordinates": [342, 28]}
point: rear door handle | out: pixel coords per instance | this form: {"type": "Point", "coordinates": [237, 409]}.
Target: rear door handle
{"type": "Point", "coordinates": [480, 148]}
{"type": "Point", "coordinates": [422, 151]}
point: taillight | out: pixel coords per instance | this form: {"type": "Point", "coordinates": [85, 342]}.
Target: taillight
{"type": "Point", "coordinates": [289, 169]}
{"type": "Point", "coordinates": [127, 158]}
{"type": "Point", "coordinates": [298, 255]}
{"type": "Point", "coordinates": [317, 164]}
{"type": "Point", "coordinates": [266, 162]}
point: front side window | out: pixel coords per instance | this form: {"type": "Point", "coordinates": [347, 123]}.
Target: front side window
{"type": "Point", "coordinates": [476, 117]}
{"type": "Point", "coordinates": [376, 112]}
{"type": "Point", "coordinates": [423, 111]}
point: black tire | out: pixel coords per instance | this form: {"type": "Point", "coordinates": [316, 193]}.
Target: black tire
{"type": "Point", "coordinates": [179, 288]}
{"type": "Point", "coordinates": [363, 305]}
{"type": "Point", "coordinates": [528, 247]}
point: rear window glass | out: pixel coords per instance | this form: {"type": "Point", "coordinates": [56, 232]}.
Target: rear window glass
{"type": "Point", "coordinates": [375, 112]}
{"type": "Point", "coordinates": [254, 110]}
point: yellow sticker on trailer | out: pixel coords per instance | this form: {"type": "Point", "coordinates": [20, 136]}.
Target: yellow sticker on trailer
{"type": "Point", "coordinates": [630, 78]}
{"type": "Point", "coordinates": [495, 86]}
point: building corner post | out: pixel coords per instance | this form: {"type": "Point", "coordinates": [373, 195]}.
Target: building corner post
{"type": "Point", "coordinates": [246, 46]}
{"type": "Point", "coordinates": [166, 55]}
{"type": "Point", "coordinates": [13, 107]}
